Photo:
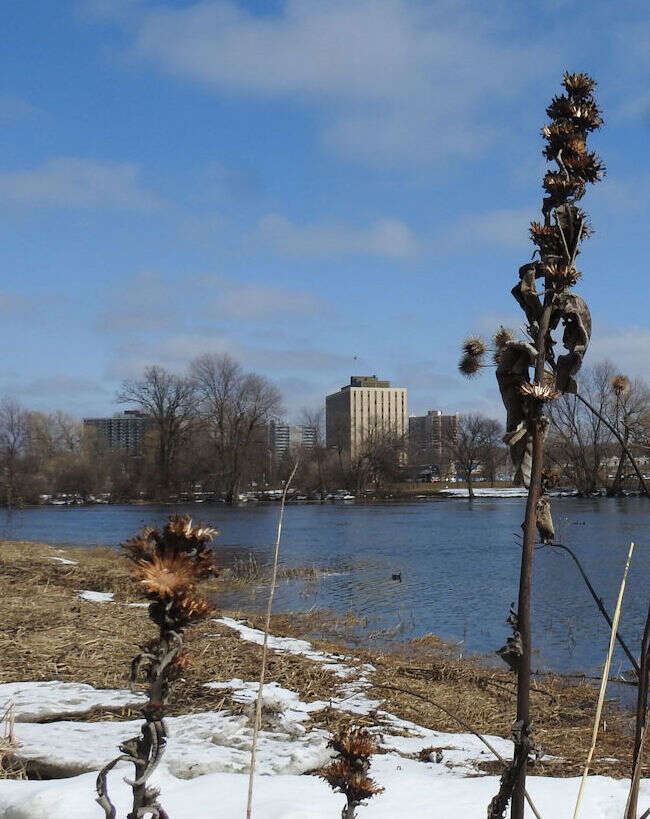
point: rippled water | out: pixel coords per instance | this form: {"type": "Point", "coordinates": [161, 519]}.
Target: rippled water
{"type": "Point", "coordinates": [459, 563]}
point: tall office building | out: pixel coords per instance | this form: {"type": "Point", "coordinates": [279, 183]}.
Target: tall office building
{"type": "Point", "coordinates": [364, 407]}
{"type": "Point", "coordinates": [429, 436]}
{"type": "Point", "coordinates": [123, 431]}
{"type": "Point", "coordinates": [284, 437]}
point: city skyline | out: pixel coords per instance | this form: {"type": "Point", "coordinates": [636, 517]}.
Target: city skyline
{"type": "Point", "coordinates": [316, 188]}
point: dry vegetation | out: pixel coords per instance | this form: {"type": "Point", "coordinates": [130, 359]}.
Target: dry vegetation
{"type": "Point", "coordinates": [48, 632]}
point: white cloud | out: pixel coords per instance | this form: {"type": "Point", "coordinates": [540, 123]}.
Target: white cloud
{"type": "Point", "coordinates": [71, 182]}
{"type": "Point", "coordinates": [148, 302]}
{"type": "Point", "coordinates": [393, 80]}
{"type": "Point", "coordinates": [389, 238]}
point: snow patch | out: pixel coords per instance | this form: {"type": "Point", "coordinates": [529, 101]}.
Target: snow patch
{"type": "Point", "coordinates": [95, 596]}
{"type": "Point", "coordinates": [35, 701]}
{"type": "Point", "coordinates": [64, 560]}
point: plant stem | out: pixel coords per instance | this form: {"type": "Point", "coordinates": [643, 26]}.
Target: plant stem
{"type": "Point", "coordinates": [523, 618]}
{"type": "Point", "coordinates": [641, 721]}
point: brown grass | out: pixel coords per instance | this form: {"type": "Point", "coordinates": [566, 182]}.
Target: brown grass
{"type": "Point", "coordinates": [48, 633]}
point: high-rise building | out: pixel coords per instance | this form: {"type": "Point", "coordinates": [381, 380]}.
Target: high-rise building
{"type": "Point", "coordinates": [429, 436]}
{"type": "Point", "coordinates": [361, 409]}
{"type": "Point", "coordinates": [123, 431]}
{"type": "Point", "coordinates": [284, 437]}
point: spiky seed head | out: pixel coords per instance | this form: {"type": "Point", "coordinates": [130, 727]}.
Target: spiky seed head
{"type": "Point", "coordinates": [502, 337]}
{"type": "Point", "coordinates": [560, 275]}
{"type": "Point", "coordinates": [469, 365]}
{"type": "Point", "coordinates": [193, 607]}
{"type": "Point", "coordinates": [353, 743]}
{"type": "Point", "coordinates": [165, 577]}
{"type": "Point", "coordinates": [578, 85]}
{"type": "Point", "coordinates": [474, 346]}
{"type": "Point", "coordinates": [356, 785]}
{"type": "Point", "coordinates": [541, 392]}
{"type": "Point", "coordinates": [620, 384]}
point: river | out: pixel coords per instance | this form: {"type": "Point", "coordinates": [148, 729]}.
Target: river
{"type": "Point", "coordinates": [459, 564]}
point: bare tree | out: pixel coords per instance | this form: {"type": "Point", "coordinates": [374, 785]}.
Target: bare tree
{"type": "Point", "coordinates": [13, 443]}
{"type": "Point", "coordinates": [473, 445]}
{"type": "Point", "coordinates": [235, 407]}
{"type": "Point", "coordinates": [169, 401]}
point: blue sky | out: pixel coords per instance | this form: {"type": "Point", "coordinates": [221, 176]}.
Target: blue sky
{"type": "Point", "coordinates": [300, 183]}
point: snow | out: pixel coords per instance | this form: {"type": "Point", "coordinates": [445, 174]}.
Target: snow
{"type": "Point", "coordinates": [412, 789]}
{"type": "Point", "coordinates": [483, 492]}
{"type": "Point", "coordinates": [36, 701]}
{"type": "Point", "coordinates": [95, 596]}
{"type": "Point", "coordinates": [64, 560]}
{"type": "Point", "coordinates": [207, 757]}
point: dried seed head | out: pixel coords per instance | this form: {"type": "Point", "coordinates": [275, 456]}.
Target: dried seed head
{"type": "Point", "coordinates": [503, 336]}
{"type": "Point", "coordinates": [356, 785]}
{"type": "Point", "coordinates": [353, 743]}
{"type": "Point", "coordinates": [578, 85]}
{"type": "Point", "coordinates": [474, 346]}
{"type": "Point", "coordinates": [620, 384]}
{"type": "Point", "coordinates": [165, 577]}
{"type": "Point", "coordinates": [469, 365]}
{"type": "Point", "coordinates": [542, 392]}
{"type": "Point", "coordinates": [560, 275]}
{"type": "Point", "coordinates": [193, 607]}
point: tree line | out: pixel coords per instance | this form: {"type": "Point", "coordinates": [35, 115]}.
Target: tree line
{"type": "Point", "coordinates": [208, 430]}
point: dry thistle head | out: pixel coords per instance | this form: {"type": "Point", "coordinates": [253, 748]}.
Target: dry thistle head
{"type": "Point", "coordinates": [541, 392]}
{"type": "Point", "coordinates": [469, 365]}
{"type": "Point", "coordinates": [502, 337]}
{"type": "Point", "coordinates": [165, 577]}
{"type": "Point", "coordinates": [356, 786]}
{"type": "Point", "coordinates": [353, 743]}
{"type": "Point", "coordinates": [620, 385]}
{"type": "Point", "coordinates": [578, 86]}
{"type": "Point", "coordinates": [474, 346]}
{"type": "Point", "coordinates": [560, 275]}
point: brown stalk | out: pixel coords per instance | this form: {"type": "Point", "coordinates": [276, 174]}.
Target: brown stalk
{"type": "Point", "coordinates": [267, 624]}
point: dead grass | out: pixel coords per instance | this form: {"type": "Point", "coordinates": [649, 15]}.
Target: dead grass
{"type": "Point", "coordinates": [48, 632]}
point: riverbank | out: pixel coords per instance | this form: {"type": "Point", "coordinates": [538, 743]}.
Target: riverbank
{"type": "Point", "coordinates": [74, 615]}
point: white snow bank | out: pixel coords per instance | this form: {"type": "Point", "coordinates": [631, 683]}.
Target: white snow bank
{"type": "Point", "coordinates": [64, 560]}
{"type": "Point", "coordinates": [198, 744]}
{"type": "Point", "coordinates": [35, 701]}
{"type": "Point", "coordinates": [412, 789]}
{"type": "Point", "coordinates": [275, 699]}
{"type": "Point", "coordinates": [290, 645]}
{"type": "Point", "coordinates": [481, 492]}
{"type": "Point", "coordinates": [95, 596]}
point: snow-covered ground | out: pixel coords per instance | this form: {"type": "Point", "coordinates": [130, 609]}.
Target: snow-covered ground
{"type": "Point", "coordinates": [484, 492]}
{"type": "Point", "coordinates": [204, 770]}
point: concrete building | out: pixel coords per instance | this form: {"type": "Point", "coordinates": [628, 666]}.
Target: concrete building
{"type": "Point", "coordinates": [284, 437]}
{"type": "Point", "coordinates": [123, 431]}
{"type": "Point", "coordinates": [362, 408]}
{"type": "Point", "coordinates": [429, 436]}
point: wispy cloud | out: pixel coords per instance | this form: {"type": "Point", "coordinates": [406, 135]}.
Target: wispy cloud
{"type": "Point", "coordinates": [71, 182]}
{"type": "Point", "coordinates": [393, 80]}
{"type": "Point", "coordinates": [390, 238]}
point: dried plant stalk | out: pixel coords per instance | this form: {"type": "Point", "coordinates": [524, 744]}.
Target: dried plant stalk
{"type": "Point", "coordinates": [603, 684]}
{"type": "Point", "coordinates": [267, 624]}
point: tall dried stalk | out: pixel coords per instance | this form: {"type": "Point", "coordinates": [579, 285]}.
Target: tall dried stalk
{"type": "Point", "coordinates": [267, 624]}
{"type": "Point", "coordinates": [603, 684]}
{"type": "Point", "coordinates": [557, 238]}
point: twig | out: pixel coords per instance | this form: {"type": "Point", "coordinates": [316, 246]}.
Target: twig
{"type": "Point", "coordinates": [603, 684]}
{"type": "Point", "coordinates": [462, 724]}
{"type": "Point", "coordinates": [599, 603]}
{"type": "Point", "coordinates": [267, 623]}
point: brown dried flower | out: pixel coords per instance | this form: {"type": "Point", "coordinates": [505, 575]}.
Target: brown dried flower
{"type": "Point", "coordinates": [474, 346]}
{"type": "Point", "coordinates": [541, 392]}
{"type": "Point", "coordinates": [578, 85]}
{"type": "Point", "coordinates": [503, 336]}
{"type": "Point", "coordinates": [165, 577]}
{"type": "Point", "coordinates": [620, 384]}
{"type": "Point", "coordinates": [560, 274]}
{"type": "Point", "coordinates": [469, 365]}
